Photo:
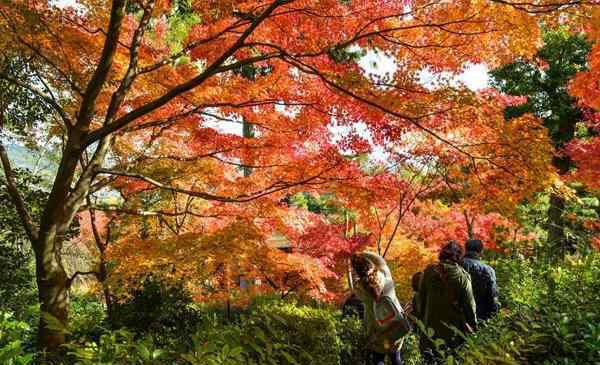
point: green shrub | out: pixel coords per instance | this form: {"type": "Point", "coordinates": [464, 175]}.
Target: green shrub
{"type": "Point", "coordinates": [15, 336]}
{"type": "Point", "coordinates": [314, 330]}
{"type": "Point", "coordinates": [87, 317]}
{"type": "Point", "coordinates": [17, 288]}
{"type": "Point", "coordinates": [118, 347]}
{"type": "Point", "coordinates": [158, 308]}
{"type": "Point", "coordinates": [551, 315]}
{"type": "Point", "coordinates": [268, 332]}
{"type": "Point", "coordinates": [276, 332]}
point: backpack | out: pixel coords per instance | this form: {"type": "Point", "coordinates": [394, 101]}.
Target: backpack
{"type": "Point", "coordinates": [399, 316]}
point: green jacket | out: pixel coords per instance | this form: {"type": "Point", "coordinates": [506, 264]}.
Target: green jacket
{"type": "Point", "coordinates": [445, 300]}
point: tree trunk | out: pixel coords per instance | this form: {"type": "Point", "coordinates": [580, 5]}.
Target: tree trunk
{"type": "Point", "coordinates": [556, 232]}
{"type": "Point", "coordinates": [557, 240]}
{"type": "Point", "coordinates": [61, 208]}
{"type": "Point", "coordinates": [53, 293]}
{"type": "Point", "coordinates": [102, 278]}
{"type": "Point", "coordinates": [469, 222]}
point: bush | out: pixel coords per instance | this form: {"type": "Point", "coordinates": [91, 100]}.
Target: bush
{"type": "Point", "coordinates": [551, 315]}
{"type": "Point", "coordinates": [159, 308]}
{"type": "Point", "coordinates": [17, 280]}
{"type": "Point", "coordinates": [118, 347]}
{"type": "Point", "coordinates": [268, 332]}
{"type": "Point", "coordinates": [279, 333]}
{"type": "Point", "coordinates": [15, 341]}
{"type": "Point", "coordinates": [87, 317]}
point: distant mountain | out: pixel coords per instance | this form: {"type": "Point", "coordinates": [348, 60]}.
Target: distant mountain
{"type": "Point", "coordinates": [24, 158]}
{"type": "Point", "coordinates": [46, 167]}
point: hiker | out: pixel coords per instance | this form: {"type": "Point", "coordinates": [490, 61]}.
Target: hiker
{"type": "Point", "coordinates": [483, 280]}
{"type": "Point", "coordinates": [446, 303]}
{"type": "Point", "coordinates": [385, 320]}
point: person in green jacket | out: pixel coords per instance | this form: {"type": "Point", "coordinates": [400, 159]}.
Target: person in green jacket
{"type": "Point", "coordinates": [385, 320]}
{"type": "Point", "coordinates": [446, 304]}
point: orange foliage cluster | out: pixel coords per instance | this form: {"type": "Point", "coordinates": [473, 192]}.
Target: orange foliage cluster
{"type": "Point", "coordinates": [586, 86]}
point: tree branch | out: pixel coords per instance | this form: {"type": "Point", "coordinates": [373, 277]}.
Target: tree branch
{"type": "Point", "coordinates": [119, 95]}
{"type": "Point", "coordinates": [104, 65]}
{"type": "Point", "coordinates": [80, 273]}
{"type": "Point", "coordinates": [214, 68]}
{"type": "Point", "coordinates": [533, 8]}
{"type": "Point", "coordinates": [95, 231]}
{"type": "Point", "coordinates": [16, 197]}
{"type": "Point", "coordinates": [276, 187]}
{"type": "Point", "coordinates": [48, 99]}
{"type": "Point", "coordinates": [151, 213]}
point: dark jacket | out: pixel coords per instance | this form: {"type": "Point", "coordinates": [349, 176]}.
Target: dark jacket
{"type": "Point", "coordinates": [445, 300]}
{"type": "Point", "coordinates": [485, 289]}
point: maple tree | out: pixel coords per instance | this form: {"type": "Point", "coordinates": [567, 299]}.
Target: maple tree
{"type": "Point", "coordinates": [134, 87]}
{"type": "Point", "coordinates": [584, 150]}
{"type": "Point", "coordinates": [585, 86]}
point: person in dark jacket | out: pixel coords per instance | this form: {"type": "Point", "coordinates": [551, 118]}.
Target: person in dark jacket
{"type": "Point", "coordinates": [483, 280]}
{"type": "Point", "coordinates": [446, 304]}
{"type": "Point", "coordinates": [414, 305]}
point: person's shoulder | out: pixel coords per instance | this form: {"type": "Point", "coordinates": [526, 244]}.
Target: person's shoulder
{"type": "Point", "coordinates": [389, 304]}
{"type": "Point", "coordinates": [430, 269]}
{"type": "Point", "coordinates": [462, 271]}
{"type": "Point", "coordinates": [488, 268]}
{"type": "Point", "coordinates": [468, 264]}
{"type": "Point", "coordinates": [467, 261]}
{"type": "Point", "coordinates": [471, 264]}
{"type": "Point", "coordinates": [430, 274]}
{"type": "Point", "coordinates": [387, 300]}
{"type": "Point", "coordinates": [459, 272]}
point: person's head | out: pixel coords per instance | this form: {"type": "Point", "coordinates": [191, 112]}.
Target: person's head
{"type": "Point", "coordinates": [416, 280]}
{"type": "Point", "coordinates": [451, 252]}
{"type": "Point", "coordinates": [361, 265]}
{"type": "Point", "coordinates": [368, 275]}
{"type": "Point", "coordinates": [474, 246]}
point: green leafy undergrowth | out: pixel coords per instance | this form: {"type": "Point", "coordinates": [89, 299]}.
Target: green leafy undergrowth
{"type": "Point", "coordinates": [551, 315]}
{"type": "Point", "coordinates": [268, 332]}
{"type": "Point", "coordinates": [14, 333]}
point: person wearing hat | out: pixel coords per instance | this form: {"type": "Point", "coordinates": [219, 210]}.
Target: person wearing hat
{"type": "Point", "coordinates": [483, 280]}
